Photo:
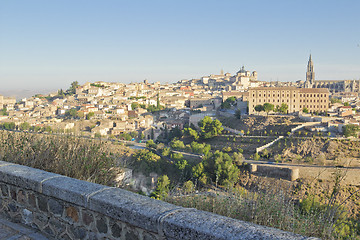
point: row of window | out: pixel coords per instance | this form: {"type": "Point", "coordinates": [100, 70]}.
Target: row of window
{"type": "Point", "coordinates": [311, 95]}
{"type": "Point", "coordinates": [313, 106]}
{"type": "Point", "coordinates": [314, 100]}
{"type": "Point", "coordinates": [287, 95]}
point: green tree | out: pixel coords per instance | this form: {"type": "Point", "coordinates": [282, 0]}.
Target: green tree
{"type": "Point", "coordinates": [192, 133]}
{"type": "Point", "coordinates": [134, 105]}
{"type": "Point", "coordinates": [268, 107]}
{"type": "Point", "coordinates": [3, 112]}
{"type": "Point", "coordinates": [346, 104]}
{"type": "Point", "coordinates": [210, 128]}
{"type": "Point", "coordinates": [283, 108]}
{"type": "Point", "coordinates": [72, 89]}
{"type": "Point", "coordinates": [162, 188]}
{"type": "Point", "coordinates": [259, 108]}
{"type": "Point", "coordinates": [351, 130]}
{"type": "Point", "coordinates": [177, 144]}
{"type": "Point", "coordinates": [157, 101]}
{"type": "Point", "coordinates": [305, 110]}
{"type": "Point", "coordinates": [150, 144]}
{"type": "Point", "coordinates": [72, 113]}
{"type": "Point", "coordinates": [90, 115]}
{"type": "Point", "coordinates": [188, 187]}
{"type": "Point", "coordinates": [166, 152]}
{"type": "Point", "coordinates": [175, 133]}
{"type": "Point", "coordinates": [238, 114]}
{"type": "Point", "coordinates": [24, 126]}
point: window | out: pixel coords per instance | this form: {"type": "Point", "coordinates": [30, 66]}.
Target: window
{"type": "Point", "coordinates": [300, 100]}
{"type": "Point", "coordinates": [253, 95]}
{"type": "Point", "coordinates": [300, 95]}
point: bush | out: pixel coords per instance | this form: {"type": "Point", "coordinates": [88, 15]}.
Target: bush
{"type": "Point", "coordinates": [177, 144]}
{"type": "Point", "coordinates": [256, 157]}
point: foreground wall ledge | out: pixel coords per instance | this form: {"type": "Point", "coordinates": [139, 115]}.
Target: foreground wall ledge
{"type": "Point", "coordinates": [165, 220]}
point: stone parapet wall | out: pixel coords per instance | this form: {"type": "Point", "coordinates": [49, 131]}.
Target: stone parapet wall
{"type": "Point", "coordinates": [66, 208]}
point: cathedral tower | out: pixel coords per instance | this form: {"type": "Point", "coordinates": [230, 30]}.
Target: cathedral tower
{"type": "Point", "coordinates": [310, 74]}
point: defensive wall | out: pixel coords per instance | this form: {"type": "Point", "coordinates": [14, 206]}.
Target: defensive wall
{"type": "Point", "coordinates": [67, 208]}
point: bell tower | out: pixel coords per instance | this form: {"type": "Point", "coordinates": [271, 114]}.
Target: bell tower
{"type": "Point", "coordinates": [310, 74]}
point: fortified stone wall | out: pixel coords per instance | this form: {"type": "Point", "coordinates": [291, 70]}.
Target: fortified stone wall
{"type": "Point", "coordinates": [66, 208]}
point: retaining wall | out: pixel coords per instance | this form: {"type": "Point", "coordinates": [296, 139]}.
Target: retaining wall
{"type": "Point", "coordinates": [286, 173]}
{"type": "Point", "coordinates": [66, 208]}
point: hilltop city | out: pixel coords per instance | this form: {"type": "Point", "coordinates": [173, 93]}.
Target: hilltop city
{"type": "Point", "coordinates": [115, 109]}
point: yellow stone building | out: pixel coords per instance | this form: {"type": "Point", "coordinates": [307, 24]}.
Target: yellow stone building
{"type": "Point", "coordinates": [314, 99]}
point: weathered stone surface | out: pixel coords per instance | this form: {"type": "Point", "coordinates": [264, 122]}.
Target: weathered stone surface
{"type": "Point", "coordinates": [196, 224]}
{"type": "Point", "coordinates": [149, 236]}
{"type": "Point", "coordinates": [132, 234]}
{"type": "Point", "coordinates": [4, 190]}
{"type": "Point", "coordinates": [57, 226]}
{"type": "Point", "coordinates": [21, 197]}
{"type": "Point", "coordinates": [56, 207]}
{"type": "Point", "coordinates": [101, 225]}
{"type": "Point", "coordinates": [116, 229]}
{"type": "Point", "coordinates": [27, 216]}
{"type": "Point", "coordinates": [42, 203]}
{"type": "Point", "coordinates": [40, 220]}
{"type": "Point", "coordinates": [72, 213]}
{"type": "Point", "coordinates": [2, 163]}
{"type": "Point", "coordinates": [139, 211]}
{"type": "Point", "coordinates": [71, 190]}
{"type": "Point", "coordinates": [78, 232]}
{"type": "Point", "coordinates": [32, 200]}
{"type": "Point", "coordinates": [87, 218]}
{"type": "Point", "coordinates": [24, 177]}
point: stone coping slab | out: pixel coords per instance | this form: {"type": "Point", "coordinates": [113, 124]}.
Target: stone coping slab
{"type": "Point", "coordinates": [165, 219]}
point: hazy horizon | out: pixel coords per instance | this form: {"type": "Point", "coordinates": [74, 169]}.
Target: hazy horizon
{"type": "Point", "coordinates": [48, 45]}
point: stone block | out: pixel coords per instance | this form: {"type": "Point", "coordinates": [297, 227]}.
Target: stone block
{"type": "Point", "coordinates": [87, 217]}
{"type": "Point", "coordinates": [116, 229]}
{"type": "Point", "coordinates": [194, 224]}
{"type": "Point", "coordinates": [72, 213]}
{"type": "Point", "coordinates": [42, 203]}
{"type": "Point", "coordinates": [128, 207]}
{"type": "Point", "coordinates": [71, 190]}
{"type": "Point", "coordinates": [4, 190]}
{"type": "Point", "coordinates": [24, 177]}
{"type": "Point", "coordinates": [21, 197]}
{"type": "Point", "coordinates": [56, 207]}
{"type": "Point", "coordinates": [102, 225]}
{"type": "Point", "coordinates": [32, 200]}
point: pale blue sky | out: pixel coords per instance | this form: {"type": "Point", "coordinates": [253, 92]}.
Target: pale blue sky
{"type": "Point", "coordinates": [50, 43]}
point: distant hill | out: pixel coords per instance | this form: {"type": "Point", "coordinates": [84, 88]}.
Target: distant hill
{"type": "Point", "coordinates": [25, 93]}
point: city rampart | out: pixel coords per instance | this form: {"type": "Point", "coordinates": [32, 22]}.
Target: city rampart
{"type": "Point", "coordinates": [66, 208]}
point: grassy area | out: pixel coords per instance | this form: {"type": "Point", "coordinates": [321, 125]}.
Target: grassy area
{"type": "Point", "coordinates": [90, 160]}
{"type": "Point", "coordinates": [277, 205]}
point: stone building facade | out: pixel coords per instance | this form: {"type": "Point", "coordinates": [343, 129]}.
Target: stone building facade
{"type": "Point", "coordinates": [296, 98]}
